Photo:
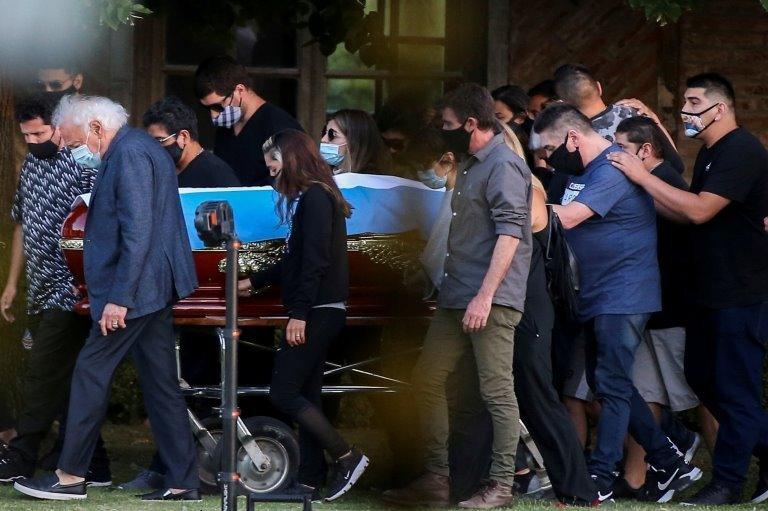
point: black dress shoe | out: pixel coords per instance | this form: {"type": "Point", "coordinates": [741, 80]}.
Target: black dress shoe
{"type": "Point", "coordinates": [164, 495]}
{"type": "Point", "coordinates": [48, 487]}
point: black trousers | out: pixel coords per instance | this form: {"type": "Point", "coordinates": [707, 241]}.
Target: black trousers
{"type": "Point", "coordinates": [296, 390]}
{"type": "Point", "coordinates": [58, 338]}
{"type": "Point", "coordinates": [150, 339]}
{"type": "Point", "coordinates": [724, 354]}
{"type": "Point", "coordinates": [540, 409]}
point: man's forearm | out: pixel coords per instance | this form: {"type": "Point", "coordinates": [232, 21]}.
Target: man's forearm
{"type": "Point", "coordinates": [503, 253]}
{"type": "Point", "coordinates": [677, 202]}
{"type": "Point", "coordinates": [17, 255]}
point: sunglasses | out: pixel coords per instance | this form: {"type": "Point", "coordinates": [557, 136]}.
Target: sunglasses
{"type": "Point", "coordinates": [219, 107]}
{"type": "Point", "coordinates": [332, 133]}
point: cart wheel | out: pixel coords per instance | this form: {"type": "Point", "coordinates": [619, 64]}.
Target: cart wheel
{"type": "Point", "coordinates": [209, 464]}
{"type": "Point", "coordinates": [277, 441]}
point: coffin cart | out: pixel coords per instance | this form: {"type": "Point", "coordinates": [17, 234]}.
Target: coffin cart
{"type": "Point", "coordinates": [391, 219]}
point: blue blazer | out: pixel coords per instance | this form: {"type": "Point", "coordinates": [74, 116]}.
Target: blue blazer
{"type": "Point", "coordinates": [136, 250]}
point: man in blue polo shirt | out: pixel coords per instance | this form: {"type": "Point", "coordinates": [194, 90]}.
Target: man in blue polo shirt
{"type": "Point", "coordinates": [611, 227]}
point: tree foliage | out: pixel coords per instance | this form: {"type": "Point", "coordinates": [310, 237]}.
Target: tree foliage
{"type": "Point", "coordinates": [664, 12]}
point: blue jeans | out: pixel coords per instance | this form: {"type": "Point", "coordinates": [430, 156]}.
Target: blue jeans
{"type": "Point", "coordinates": [724, 354]}
{"type": "Point", "coordinates": [611, 343]}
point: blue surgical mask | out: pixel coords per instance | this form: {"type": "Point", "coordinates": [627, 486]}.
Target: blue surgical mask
{"type": "Point", "coordinates": [85, 157]}
{"type": "Point", "coordinates": [430, 178]}
{"type": "Point", "coordinates": [331, 153]}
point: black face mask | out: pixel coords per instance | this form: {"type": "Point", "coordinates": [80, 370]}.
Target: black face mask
{"type": "Point", "coordinates": [565, 161]}
{"type": "Point", "coordinates": [457, 141]}
{"type": "Point", "coordinates": [43, 150]}
{"type": "Point", "coordinates": [527, 124]}
{"type": "Point", "coordinates": [175, 151]}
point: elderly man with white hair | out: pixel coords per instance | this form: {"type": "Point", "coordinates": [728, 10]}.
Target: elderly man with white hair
{"type": "Point", "coordinates": [137, 261]}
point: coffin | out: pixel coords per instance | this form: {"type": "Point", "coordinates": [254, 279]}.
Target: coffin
{"type": "Point", "coordinates": [390, 223]}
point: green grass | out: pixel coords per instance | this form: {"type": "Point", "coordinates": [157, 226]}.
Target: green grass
{"type": "Point", "coordinates": [130, 448]}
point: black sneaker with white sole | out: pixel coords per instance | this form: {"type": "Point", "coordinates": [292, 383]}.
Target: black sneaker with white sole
{"type": "Point", "coordinates": [13, 466]}
{"type": "Point", "coordinates": [604, 489]}
{"type": "Point", "coordinates": [693, 444]}
{"type": "Point", "coordinates": [346, 471]}
{"type": "Point", "coordinates": [168, 496]}
{"type": "Point", "coordinates": [98, 477]}
{"type": "Point", "coordinates": [47, 487]}
{"type": "Point", "coordinates": [662, 483]}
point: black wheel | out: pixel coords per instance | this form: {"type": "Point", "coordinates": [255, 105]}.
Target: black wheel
{"type": "Point", "coordinates": [277, 441]}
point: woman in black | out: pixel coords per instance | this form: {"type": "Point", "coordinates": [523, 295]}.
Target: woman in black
{"type": "Point", "coordinates": [314, 277]}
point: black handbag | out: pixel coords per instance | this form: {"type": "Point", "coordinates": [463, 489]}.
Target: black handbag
{"type": "Point", "coordinates": [561, 268]}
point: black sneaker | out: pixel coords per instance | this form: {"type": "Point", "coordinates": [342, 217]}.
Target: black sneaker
{"type": "Point", "coordinates": [167, 496]}
{"type": "Point", "coordinates": [691, 446]}
{"type": "Point", "coordinates": [761, 490]}
{"type": "Point", "coordinates": [622, 490]}
{"type": "Point", "coordinates": [604, 489]}
{"type": "Point", "coordinates": [48, 487]}
{"type": "Point", "coordinates": [145, 480]}
{"type": "Point", "coordinates": [713, 494]}
{"type": "Point", "coordinates": [662, 483]}
{"type": "Point", "coordinates": [98, 477]}
{"type": "Point", "coordinates": [346, 471]}
{"type": "Point", "coordinates": [13, 466]}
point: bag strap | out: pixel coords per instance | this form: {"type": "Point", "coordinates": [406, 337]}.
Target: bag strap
{"type": "Point", "coordinates": [550, 224]}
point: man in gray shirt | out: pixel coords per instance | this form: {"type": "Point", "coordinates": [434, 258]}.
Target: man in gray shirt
{"type": "Point", "coordinates": [481, 299]}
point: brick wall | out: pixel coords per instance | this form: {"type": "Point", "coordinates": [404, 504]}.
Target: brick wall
{"type": "Point", "coordinates": [730, 38]}
{"type": "Point", "coordinates": [635, 58]}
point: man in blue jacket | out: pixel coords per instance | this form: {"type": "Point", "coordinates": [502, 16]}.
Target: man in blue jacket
{"type": "Point", "coordinates": [137, 262]}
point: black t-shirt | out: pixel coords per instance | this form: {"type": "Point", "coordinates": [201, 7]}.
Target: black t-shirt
{"type": "Point", "coordinates": [731, 250]}
{"type": "Point", "coordinates": [243, 152]}
{"type": "Point", "coordinates": [207, 171]}
{"type": "Point", "coordinates": [674, 253]}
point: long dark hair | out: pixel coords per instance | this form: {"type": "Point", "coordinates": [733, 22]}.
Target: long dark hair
{"type": "Point", "coordinates": [366, 147]}
{"type": "Point", "coordinates": [302, 167]}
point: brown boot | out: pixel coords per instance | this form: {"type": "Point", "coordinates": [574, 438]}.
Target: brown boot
{"type": "Point", "coordinates": [429, 490]}
{"type": "Point", "coordinates": [492, 495]}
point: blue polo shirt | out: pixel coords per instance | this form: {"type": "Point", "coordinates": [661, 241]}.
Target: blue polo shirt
{"type": "Point", "coordinates": [615, 248]}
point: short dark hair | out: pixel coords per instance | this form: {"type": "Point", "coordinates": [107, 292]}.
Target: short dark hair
{"type": "Point", "coordinates": [430, 147]}
{"type": "Point", "coordinates": [642, 130]}
{"type": "Point", "coordinates": [560, 118]}
{"type": "Point", "coordinates": [471, 100]}
{"type": "Point", "coordinates": [220, 75]}
{"type": "Point", "coordinates": [713, 82]}
{"type": "Point", "coordinates": [59, 60]}
{"type": "Point", "coordinates": [37, 105]}
{"type": "Point", "coordinates": [545, 88]}
{"type": "Point", "coordinates": [513, 96]}
{"type": "Point", "coordinates": [174, 114]}
{"type": "Point", "coordinates": [574, 82]}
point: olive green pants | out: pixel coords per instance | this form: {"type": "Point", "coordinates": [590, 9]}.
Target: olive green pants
{"type": "Point", "coordinates": [493, 349]}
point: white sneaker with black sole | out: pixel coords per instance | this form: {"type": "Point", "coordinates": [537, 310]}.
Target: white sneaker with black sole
{"type": "Point", "coordinates": [346, 471]}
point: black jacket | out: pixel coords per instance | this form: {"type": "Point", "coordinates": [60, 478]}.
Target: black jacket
{"type": "Point", "coordinates": [314, 269]}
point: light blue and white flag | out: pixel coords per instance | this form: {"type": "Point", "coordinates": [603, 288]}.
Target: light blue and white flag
{"type": "Point", "coordinates": [382, 205]}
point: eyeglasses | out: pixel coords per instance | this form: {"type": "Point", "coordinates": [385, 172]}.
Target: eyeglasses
{"type": "Point", "coordinates": [162, 140]}
{"type": "Point", "coordinates": [332, 133]}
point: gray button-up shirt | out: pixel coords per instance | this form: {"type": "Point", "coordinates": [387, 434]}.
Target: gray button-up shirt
{"type": "Point", "coordinates": [492, 197]}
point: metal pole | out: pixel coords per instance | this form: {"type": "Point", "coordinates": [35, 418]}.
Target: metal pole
{"type": "Point", "coordinates": [229, 411]}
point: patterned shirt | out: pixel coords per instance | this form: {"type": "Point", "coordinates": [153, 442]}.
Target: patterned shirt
{"type": "Point", "coordinates": [608, 120]}
{"type": "Point", "coordinates": [47, 188]}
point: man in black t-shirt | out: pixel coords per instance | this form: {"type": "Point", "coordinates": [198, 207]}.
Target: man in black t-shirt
{"type": "Point", "coordinates": [244, 120]}
{"type": "Point", "coordinates": [174, 125]}
{"type": "Point", "coordinates": [727, 335]}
